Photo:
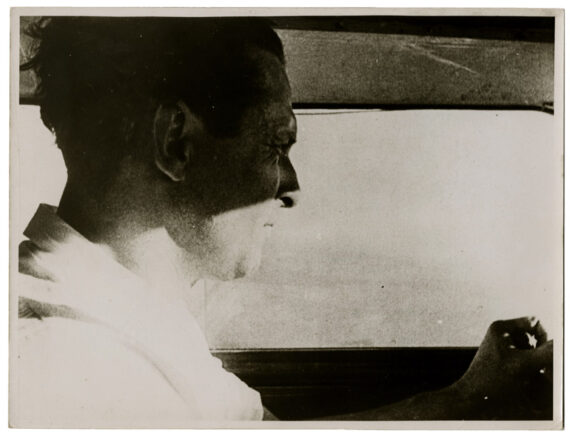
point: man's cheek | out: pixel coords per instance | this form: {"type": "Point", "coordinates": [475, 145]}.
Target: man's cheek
{"type": "Point", "coordinates": [252, 183]}
{"type": "Point", "coordinates": [266, 184]}
{"type": "Point", "coordinates": [238, 189]}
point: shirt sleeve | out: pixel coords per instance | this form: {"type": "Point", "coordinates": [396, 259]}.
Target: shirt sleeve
{"type": "Point", "coordinates": [237, 400]}
{"type": "Point", "coordinates": [72, 374]}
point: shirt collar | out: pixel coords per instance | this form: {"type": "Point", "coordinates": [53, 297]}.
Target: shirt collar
{"type": "Point", "coordinates": [59, 253]}
{"type": "Point", "coordinates": [46, 229]}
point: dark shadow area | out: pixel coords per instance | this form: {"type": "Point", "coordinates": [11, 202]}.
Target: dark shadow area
{"type": "Point", "coordinates": [304, 384]}
{"type": "Point", "coordinates": [532, 29]}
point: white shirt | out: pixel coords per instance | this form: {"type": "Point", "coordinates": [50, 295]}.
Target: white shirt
{"type": "Point", "coordinates": [98, 347]}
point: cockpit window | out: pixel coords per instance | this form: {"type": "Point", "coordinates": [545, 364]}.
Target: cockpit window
{"type": "Point", "coordinates": [414, 228]}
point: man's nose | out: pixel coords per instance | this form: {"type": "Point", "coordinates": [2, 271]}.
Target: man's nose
{"type": "Point", "coordinates": [289, 188]}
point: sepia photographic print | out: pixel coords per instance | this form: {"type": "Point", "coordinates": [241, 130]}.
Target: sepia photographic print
{"type": "Point", "coordinates": [286, 218]}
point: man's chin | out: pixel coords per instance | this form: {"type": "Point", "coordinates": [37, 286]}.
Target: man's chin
{"type": "Point", "coordinates": [239, 270]}
{"type": "Point", "coordinates": [246, 269]}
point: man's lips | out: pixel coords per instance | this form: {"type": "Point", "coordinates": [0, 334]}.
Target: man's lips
{"type": "Point", "coordinates": [268, 225]}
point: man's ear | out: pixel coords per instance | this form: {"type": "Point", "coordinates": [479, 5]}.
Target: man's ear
{"type": "Point", "coordinates": [175, 129]}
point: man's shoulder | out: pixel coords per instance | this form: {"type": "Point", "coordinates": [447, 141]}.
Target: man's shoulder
{"type": "Point", "coordinates": [67, 342]}
{"type": "Point", "coordinates": [70, 373]}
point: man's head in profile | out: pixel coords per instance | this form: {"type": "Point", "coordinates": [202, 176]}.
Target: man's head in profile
{"type": "Point", "coordinates": [172, 130]}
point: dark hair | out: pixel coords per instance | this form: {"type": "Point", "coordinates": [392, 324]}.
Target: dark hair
{"type": "Point", "coordinates": [100, 76]}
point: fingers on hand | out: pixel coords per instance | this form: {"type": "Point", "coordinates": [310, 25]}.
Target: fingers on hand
{"type": "Point", "coordinates": [524, 323]}
{"type": "Point", "coordinates": [540, 334]}
{"type": "Point", "coordinates": [520, 333]}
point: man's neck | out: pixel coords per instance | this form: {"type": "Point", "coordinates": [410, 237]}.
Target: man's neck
{"type": "Point", "coordinates": [146, 250]}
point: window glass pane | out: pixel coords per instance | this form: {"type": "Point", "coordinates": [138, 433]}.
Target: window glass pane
{"type": "Point", "coordinates": [415, 228]}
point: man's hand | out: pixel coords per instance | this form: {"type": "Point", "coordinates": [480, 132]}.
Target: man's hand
{"type": "Point", "coordinates": [511, 374]}
{"type": "Point", "coordinates": [510, 378]}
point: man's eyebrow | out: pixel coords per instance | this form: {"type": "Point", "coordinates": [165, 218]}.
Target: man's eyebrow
{"type": "Point", "coordinates": [292, 137]}
{"type": "Point", "coordinates": [287, 132]}
{"type": "Point", "coordinates": [293, 128]}
{"type": "Point", "coordinates": [285, 138]}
